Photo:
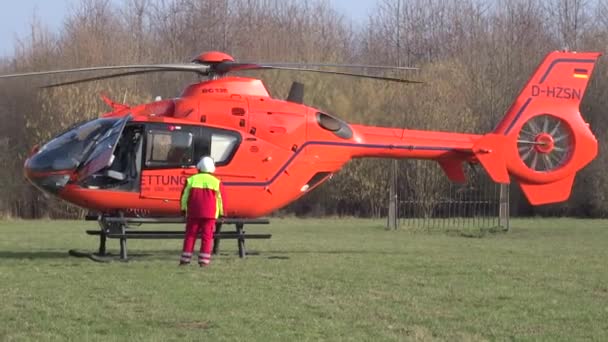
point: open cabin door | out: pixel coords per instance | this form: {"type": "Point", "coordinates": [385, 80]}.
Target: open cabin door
{"type": "Point", "coordinates": [102, 151]}
{"type": "Point", "coordinates": [169, 159]}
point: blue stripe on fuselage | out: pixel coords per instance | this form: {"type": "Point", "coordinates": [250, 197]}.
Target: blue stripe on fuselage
{"type": "Point", "coordinates": [339, 144]}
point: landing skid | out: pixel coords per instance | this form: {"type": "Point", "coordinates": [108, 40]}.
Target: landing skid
{"type": "Point", "coordinates": [121, 227]}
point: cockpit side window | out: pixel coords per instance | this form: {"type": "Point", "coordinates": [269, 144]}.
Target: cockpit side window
{"type": "Point", "coordinates": [165, 148]}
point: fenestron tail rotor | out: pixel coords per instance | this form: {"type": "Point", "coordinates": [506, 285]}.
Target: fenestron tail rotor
{"type": "Point", "coordinates": [545, 143]}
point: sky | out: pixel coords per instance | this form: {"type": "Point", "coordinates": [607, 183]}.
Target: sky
{"type": "Point", "coordinates": [16, 15]}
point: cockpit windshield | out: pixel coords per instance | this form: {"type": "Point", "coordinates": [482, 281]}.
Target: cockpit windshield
{"type": "Point", "coordinates": [67, 151]}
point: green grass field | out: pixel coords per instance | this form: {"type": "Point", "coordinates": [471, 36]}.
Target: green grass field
{"type": "Point", "coordinates": [332, 279]}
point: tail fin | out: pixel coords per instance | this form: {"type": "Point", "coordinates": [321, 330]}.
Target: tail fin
{"type": "Point", "coordinates": [543, 141]}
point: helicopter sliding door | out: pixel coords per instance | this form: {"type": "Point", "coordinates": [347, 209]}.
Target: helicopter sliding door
{"type": "Point", "coordinates": [171, 154]}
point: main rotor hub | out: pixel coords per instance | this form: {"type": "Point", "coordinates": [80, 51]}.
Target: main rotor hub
{"type": "Point", "coordinates": [213, 57]}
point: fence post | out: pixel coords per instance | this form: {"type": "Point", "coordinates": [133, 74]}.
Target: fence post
{"type": "Point", "coordinates": [392, 202]}
{"type": "Point", "coordinates": [503, 211]}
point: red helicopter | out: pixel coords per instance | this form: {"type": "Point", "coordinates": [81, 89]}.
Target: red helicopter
{"type": "Point", "coordinates": [270, 152]}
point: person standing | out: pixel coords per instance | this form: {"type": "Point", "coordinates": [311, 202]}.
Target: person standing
{"type": "Point", "coordinates": [202, 204]}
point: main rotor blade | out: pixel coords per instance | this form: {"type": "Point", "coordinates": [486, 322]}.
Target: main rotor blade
{"type": "Point", "coordinates": [383, 78]}
{"type": "Point", "coordinates": [121, 74]}
{"type": "Point", "coordinates": [198, 68]}
{"type": "Point", "coordinates": [208, 69]}
{"type": "Point", "coordinates": [350, 66]}
{"type": "Point", "coordinates": [230, 66]}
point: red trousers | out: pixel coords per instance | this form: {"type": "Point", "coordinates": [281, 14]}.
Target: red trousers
{"type": "Point", "coordinates": [194, 226]}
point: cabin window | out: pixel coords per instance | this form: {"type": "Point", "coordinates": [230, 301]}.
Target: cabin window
{"type": "Point", "coordinates": [219, 144]}
{"type": "Point", "coordinates": [173, 146]}
{"type": "Point", "coordinates": [222, 146]}
{"type": "Point", "coordinates": [169, 148]}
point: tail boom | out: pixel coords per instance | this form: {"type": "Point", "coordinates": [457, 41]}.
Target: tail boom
{"type": "Point", "coordinates": [404, 143]}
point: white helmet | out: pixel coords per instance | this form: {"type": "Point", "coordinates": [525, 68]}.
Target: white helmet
{"type": "Point", "coordinates": [206, 164]}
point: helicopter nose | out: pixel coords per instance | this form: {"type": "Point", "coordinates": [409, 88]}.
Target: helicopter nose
{"type": "Point", "coordinates": [50, 181]}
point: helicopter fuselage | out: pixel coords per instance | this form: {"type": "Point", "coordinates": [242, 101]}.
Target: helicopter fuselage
{"type": "Point", "coordinates": [268, 152]}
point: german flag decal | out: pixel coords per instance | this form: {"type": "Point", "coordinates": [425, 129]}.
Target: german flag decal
{"type": "Point", "coordinates": [581, 73]}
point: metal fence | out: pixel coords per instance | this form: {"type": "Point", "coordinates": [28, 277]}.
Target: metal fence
{"type": "Point", "coordinates": [422, 196]}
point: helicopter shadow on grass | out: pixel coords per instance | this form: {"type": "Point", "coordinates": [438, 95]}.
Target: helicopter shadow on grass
{"type": "Point", "coordinates": [339, 252]}
{"type": "Point", "coordinates": [49, 255]}
{"type": "Point", "coordinates": [33, 255]}
{"type": "Point", "coordinates": [164, 255]}
{"type": "Point", "coordinates": [148, 255]}
{"type": "Point", "coordinates": [158, 255]}
{"type": "Point", "coordinates": [270, 255]}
